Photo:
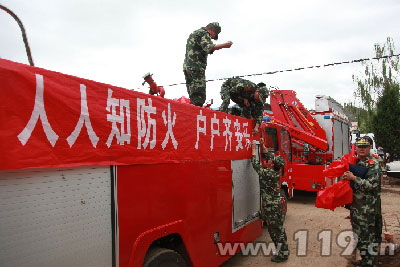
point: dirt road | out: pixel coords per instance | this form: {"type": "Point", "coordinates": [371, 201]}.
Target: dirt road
{"type": "Point", "coordinates": [313, 234]}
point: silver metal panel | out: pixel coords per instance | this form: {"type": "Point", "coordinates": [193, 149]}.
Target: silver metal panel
{"type": "Point", "coordinates": [337, 140]}
{"type": "Point", "coordinates": [245, 193]}
{"type": "Point", "coordinates": [56, 217]}
{"type": "Point", "coordinates": [326, 124]}
{"type": "Point", "coordinates": [346, 138]}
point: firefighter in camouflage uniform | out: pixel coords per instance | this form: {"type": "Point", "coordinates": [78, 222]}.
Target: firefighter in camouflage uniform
{"type": "Point", "coordinates": [198, 46]}
{"type": "Point", "coordinates": [250, 97]}
{"type": "Point", "coordinates": [270, 199]}
{"type": "Point", "coordinates": [365, 211]}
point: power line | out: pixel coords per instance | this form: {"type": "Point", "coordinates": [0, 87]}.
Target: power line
{"type": "Point", "coordinates": [296, 69]}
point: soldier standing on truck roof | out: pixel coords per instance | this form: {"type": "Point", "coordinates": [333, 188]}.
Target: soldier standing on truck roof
{"type": "Point", "coordinates": [198, 46]}
{"type": "Point", "coordinates": [271, 199]}
{"type": "Point", "coordinates": [365, 210]}
{"type": "Point", "coordinates": [249, 96]}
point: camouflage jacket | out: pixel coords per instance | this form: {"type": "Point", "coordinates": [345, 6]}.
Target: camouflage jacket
{"type": "Point", "coordinates": [198, 46]}
{"type": "Point", "coordinates": [257, 111]}
{"type": "Point", "coordinates": [236, 89]}
{"type": "Point", "coordinates": [269, 179]}
{"type": "Point", "coordinates": [366, 193]}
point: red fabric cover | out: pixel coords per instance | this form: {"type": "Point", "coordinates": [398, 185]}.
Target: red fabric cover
{"type": "Point", "coordinates": [337, 195]}
{"type": "Point", "coordinates": [340, 193]}
{"type": "Point", "coordinates": [338, 167]}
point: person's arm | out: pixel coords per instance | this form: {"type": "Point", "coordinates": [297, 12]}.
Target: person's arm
{"type": "Point", "coordinates": [220, 46]}
{"type": "Point", "coordinates": [207, 44]}
{"type": "Point", "coordinates": [256, 129]}
{"type": "Point", "coordinates": [256, 164]}
{"type": "Point", "coordinates": [264, 172]}
{"type": "Point", "coordinates": [224, 105]}
{"type": "Point", "coordinates": [263, 148]}
{"type": "Point", "coordinates": [370, 183]}
{"type": "Point", "coordinates": [226, 98]}
{"type": "Point", "coordinates": [258, 115]}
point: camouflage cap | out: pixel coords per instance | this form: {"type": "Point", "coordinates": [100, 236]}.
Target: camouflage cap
{"type": "Point", "coordinates": [216, 27]}
{"type": "Point", "coordinates": [364, 141]}
{"type": "Point", "coordinates": [279, 162]}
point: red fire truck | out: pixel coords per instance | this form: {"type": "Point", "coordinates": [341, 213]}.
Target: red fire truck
{"type": "Point", "coordinates": [307, 141]}
{"type": "Point", "coordinates": [96, 175]}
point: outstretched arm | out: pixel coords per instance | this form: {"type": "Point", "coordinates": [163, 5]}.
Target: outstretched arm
{"type": "Point", "coordinates": [256, 164]}
{"type": "Point", "coordinates": [264, 149]}
{"type": "Point", "coordinates": [220, 46]}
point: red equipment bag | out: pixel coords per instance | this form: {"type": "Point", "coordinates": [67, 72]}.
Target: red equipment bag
{"type": "Point", "coordinates": [336, 195]}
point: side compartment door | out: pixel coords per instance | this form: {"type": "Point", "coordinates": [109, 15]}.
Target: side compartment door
{"type": "Point", "coordinates": [346, 138]}
{"type": "Point", "coordinates": [57, 217]}
{"type": "Point", "coordinates": [337, 139]}
{"type": "Point", "coordinates": [245, 194]}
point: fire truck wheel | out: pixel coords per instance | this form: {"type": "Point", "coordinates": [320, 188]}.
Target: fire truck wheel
{"type": "Point", "coordinates": [284, 201]}
{"type": "Point", "coordinates": [163, 257]}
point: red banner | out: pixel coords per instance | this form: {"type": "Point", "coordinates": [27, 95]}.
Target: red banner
{"type": "Point", "coordinates": [49, 119]}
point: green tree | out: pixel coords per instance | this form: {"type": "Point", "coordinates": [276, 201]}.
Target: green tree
{"type": "Point", "coordinates": [371, 84]}
{"type": "Point", "coordinates": [378, 92]}
{"type": "Point", "coordinates": [360, 115]}
{"type": "Point", "coordinates": [386, 121]}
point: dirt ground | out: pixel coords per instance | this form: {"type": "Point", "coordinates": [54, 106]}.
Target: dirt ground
{"type": "Point", "coordinates": [302, 215]}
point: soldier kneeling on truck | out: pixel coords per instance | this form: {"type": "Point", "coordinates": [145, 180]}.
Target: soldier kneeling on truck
{"type": "Point", "coordinates": [250, 97]}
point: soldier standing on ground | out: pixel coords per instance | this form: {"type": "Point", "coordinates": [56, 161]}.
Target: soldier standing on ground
{"type": "Point", "coordinates": [198, 46]}
{"type": "Point", "coordinates": [271, 203]}
{"type": "Point", "coordinates": [249, 96]}
{"type": "Point", "coordinates": [365, 211]}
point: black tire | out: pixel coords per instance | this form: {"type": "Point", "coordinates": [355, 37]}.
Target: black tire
{"type": "Point", "coordinates": [163, 257]}
{"type": "Point", "coordinates": [284, 200]}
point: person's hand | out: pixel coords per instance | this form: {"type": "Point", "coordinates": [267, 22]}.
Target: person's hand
{"type": "Point", "coordinates": [264, 149]}
{"type": "Point", "coordinates": [256, 129]}
{"type": "Point", "coordinates": [349, 176]}
{"type": "Point", "coordinates": [228, 44]}
{"type": "Point", "coordinates": [246, 102]}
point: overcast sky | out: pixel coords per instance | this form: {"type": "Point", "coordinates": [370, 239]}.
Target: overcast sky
{"type": "Point", "coordinates": [117, 42]}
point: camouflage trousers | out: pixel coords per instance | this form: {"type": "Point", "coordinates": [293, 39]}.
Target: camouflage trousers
{"type": "Point", "coordinates": [196, 86]}
{"type": "Point", "coordinates": [273, 217]}
{"type": "Point", "coordinates": [367, 234]}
